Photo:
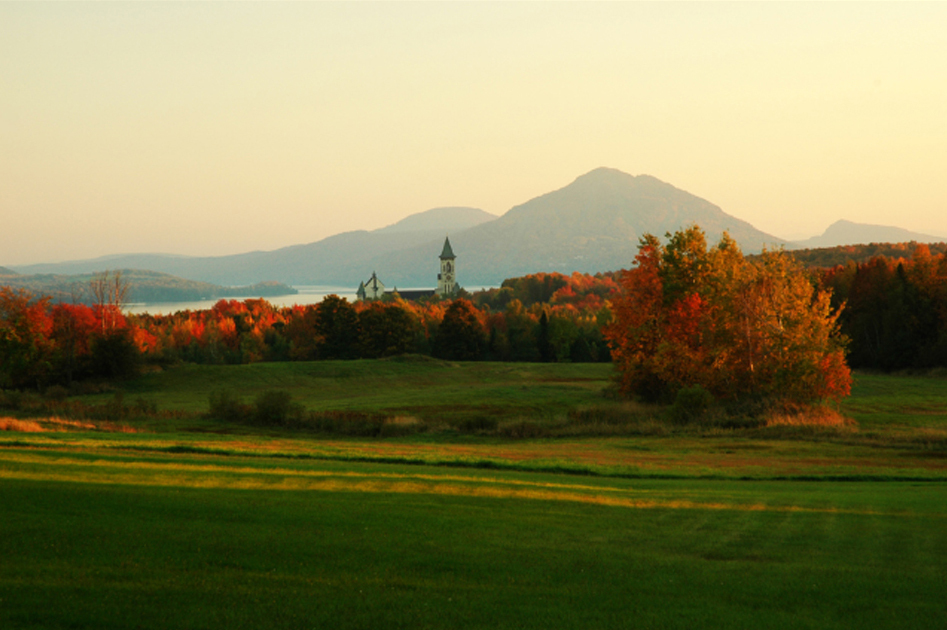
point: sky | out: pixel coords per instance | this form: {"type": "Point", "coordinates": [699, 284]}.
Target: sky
{"type": "Point", "coordinates": [219, 128]}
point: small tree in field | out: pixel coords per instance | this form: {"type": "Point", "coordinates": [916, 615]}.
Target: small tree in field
{"type": "Point", "coordinates": [692, 316]}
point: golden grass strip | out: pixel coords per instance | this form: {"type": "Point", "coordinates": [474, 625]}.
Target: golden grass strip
{"type": "Point", "coordinates": [443, 489]}
{"type": "Point", "coordinates": [22, 426]}
{"type": "Point", "coordinates": [183, 467]}
{"type": "Point", "coordinates": [810, 417]}
{"type": "Point", "coordinates": [391, 483]}
{"type": "Point", "coordinates": [54, 423]}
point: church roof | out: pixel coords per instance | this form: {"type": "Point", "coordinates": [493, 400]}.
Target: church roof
{"type": "Point", "coordinates": [447, 252]}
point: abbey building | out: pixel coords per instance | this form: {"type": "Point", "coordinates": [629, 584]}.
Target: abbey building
{"type": "Point", "coordinates": [374, 289]}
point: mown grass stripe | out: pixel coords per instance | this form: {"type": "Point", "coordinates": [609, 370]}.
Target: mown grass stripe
{"type": "Point", "coordinates": [389, 483]}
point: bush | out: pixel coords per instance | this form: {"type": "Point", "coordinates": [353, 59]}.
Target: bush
{"type": "Point", "coordinates": [225, 405]}
{"type": "Point", "coordinates": [478, 424]}
{"type": "Point", "coordinates": [523, 429]}
{"type": "Point", "coordinates": [56, 393]}
{"type": "Point", "coordinates": [690, 404]}
{"type": "Point", "coordinates": [276, 407]}
{"type": "Point", "coordinates": [144, 407]}
{"type": "Point", "coordinates": [354, 423]}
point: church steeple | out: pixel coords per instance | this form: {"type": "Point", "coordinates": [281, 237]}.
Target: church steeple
{"type": "Point", "coordinates": [447, 253]}
{"type": "Point", "coordinates": [446, 279]}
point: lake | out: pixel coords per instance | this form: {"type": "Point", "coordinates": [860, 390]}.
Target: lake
{"type": "Point", "coordinates": [306, 295]}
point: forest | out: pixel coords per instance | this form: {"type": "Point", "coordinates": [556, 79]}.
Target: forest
{"type": "Point", "coordinates": [892, 315]}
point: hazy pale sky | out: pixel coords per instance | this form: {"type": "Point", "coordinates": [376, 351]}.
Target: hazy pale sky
{"type": "Point", "coordinates": [215, 128]}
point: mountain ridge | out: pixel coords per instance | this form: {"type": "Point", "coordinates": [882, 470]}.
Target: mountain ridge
{"type": "Point", "coordinates": [844, 232]}
{"type": "Point", "coordinates": [592, 224]}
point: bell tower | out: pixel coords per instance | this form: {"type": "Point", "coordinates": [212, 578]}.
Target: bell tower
{"type": "Point", "coordinates": [447, 278]}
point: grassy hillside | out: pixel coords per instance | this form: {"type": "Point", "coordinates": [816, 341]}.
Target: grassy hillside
{"type": "Point", "coordinates": [105, 538]}
{"type": "Point", "coordinates": [186, 521]}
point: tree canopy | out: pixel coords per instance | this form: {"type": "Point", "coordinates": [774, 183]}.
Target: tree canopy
{"type": "Point", "coordinates": [692, 315]}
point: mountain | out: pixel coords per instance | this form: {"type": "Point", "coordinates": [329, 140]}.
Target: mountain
{"type": "Point", "coordinates": [849, 233]}
{"type": "Point", "coordinates": [337, 260]}
{"type": "Point", "coordinates": [439, 221]}
{"type": "Point", "coordinates": [593, 224]}
{"type": "Point", "coordinates": [6, 272]}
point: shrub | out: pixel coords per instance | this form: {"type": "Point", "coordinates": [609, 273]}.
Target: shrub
{"type": "Point", "coordinates": [478, 424]}
{"type": "Point", "coordinates": [523, 429]}
{"type": "Point", "coordinates": [690, 404]}
{"type": "Point", "coordinates": [145, 407]}
{"type": "Point", "coordinates": [352, 423]}
{"type": "Point", "coordinates": [56, 393]}
{"type": "Point", "coordinates": [276, 407]}
{"type": "Point", "coordinates": [225, 405]}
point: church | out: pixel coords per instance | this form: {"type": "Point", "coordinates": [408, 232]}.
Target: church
{"type": "Point", "coordinates": [374, 289]}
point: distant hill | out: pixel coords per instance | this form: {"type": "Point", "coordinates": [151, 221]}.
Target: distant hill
{"type": "Point", "coordinates": [440, 221]}
{"type": "Point", "coordinates": [593, 224]}
{"type": "Point", "coordinates": [843, 254]}
{"type": "Point", "coordinates": [339, 259]}
{"type": "Point", "coordinates": [144, 286]}
{"type": "Point", "coordinates": [7, 272]}
{"type": "Point", "coordinates": [849, 233]}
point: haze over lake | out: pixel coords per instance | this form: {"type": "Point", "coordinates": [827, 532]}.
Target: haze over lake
{"type": "Point", "coordinates": [306, 295]}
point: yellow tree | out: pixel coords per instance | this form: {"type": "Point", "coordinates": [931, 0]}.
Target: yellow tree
{"type": "Point", "coordinates": [689, 315]}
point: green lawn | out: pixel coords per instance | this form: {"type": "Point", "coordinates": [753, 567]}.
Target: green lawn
{"type": "Point", "coordinates": [192, 541]}
{"type": "Point", "coordinates": [194, 523]}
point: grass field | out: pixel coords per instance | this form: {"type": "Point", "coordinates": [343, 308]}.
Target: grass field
{"type": "Point", "coordinates": [195, 523]}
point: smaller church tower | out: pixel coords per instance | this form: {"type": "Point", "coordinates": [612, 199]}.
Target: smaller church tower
{"type": "Point", "coordinates": [371, 290]}
{"type": "Point", "coordinates": [447, 278]}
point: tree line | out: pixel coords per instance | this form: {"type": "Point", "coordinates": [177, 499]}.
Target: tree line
{"type": "Point", "coordinates": [894, 310]}
{"type": "Point", "coordinates": [885, 313]}
{"type": "Point", "coordinates": [44, 343]}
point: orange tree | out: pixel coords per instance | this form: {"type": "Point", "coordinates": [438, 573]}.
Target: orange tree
{"type": "Point", "coordinates": [25, 349]}
{"type": "Point", "coordinates": [688, 315]}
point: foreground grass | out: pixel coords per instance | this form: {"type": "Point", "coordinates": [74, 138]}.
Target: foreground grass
{"type": "Point", "coordinates": [198, 541]}
{"type": "Point", "coordinates": [196, 523]}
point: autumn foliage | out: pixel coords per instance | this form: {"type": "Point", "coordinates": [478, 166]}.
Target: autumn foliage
{"type": "Point", "coordinates": [739, 328]}
{"type": "Point", "coordinates": [895, 309]}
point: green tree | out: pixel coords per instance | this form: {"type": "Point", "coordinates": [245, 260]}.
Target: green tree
{"type": "Point", "coordinates": [336, 328]}
{"type": "Point", "coordinates": [460, 336]}
{"type": "Point", "coordinates": [385, 330]}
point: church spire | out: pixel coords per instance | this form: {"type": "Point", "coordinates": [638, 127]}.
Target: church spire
{"type": "Point", "coordinates": [447, 253]}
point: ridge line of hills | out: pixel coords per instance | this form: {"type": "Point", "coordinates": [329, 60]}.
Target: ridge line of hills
{"type": "Point", "coordinates": [593, 224]}
{"type": "Point", "coordinates": [144, 287]}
